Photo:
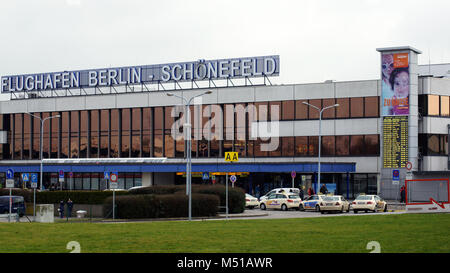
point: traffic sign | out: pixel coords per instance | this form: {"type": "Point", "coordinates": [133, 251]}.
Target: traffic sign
{"type": "Point", "coordinates": [205, 176]}
{"type": "Point", "coordinates": [231, 156]}
{"type": "Point", "coordinates": [409, 165]}
{"type": "Point", "coordinates": [106, 175]}
{"type": "Point", "coordinates": [293, 174]}
{"type": "Point", "coordinates": [34, 180]}
{"type": "Point", "coordinates": [61, 176]}
{"type": "Point", "coordinates": [114, 176]}
{"type": "Point", "coordinates": [9, 174]}
{"type": "Point", "coordinates": [233, 178]}
{"type": "Point", "coordinates": [396, 175]}
{"type": "Point", "coordinates": [9, 178]}
{"type": "Point", "coordinates": [25, 177]}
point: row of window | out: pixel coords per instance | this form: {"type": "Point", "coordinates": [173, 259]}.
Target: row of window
{"type": "Point", "coordinates": [433, 144]}
{"type": "Point", "coordinates": [79, 181]}
{"type": "Point", "coordinates": [147, 132]}
{"type": "Point", "coordinates": [434, 105]}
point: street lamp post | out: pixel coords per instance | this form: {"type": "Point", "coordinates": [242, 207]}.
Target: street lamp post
{"type": "Point", "coordinates": [40, 151]}
{"type": "Point", "coordinates": [187, 128]}
{"type": "Point", "coordinates": [320, 136]}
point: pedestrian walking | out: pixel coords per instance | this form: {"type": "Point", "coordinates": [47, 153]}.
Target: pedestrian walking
{"type": "Point", "coordinates": [61, 209]}
{"type": "Point", "coordinates": [301, 193]}
{"type": "Point", "coordinates": [69, 208]}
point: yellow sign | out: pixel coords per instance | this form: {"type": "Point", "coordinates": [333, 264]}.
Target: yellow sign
{"type": "Point", "coordinates": [231, 156]}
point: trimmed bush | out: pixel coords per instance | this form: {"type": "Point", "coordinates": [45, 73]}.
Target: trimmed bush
{"type": "Point", "coordinates": [236, 196]}
{"type": "Point", "coordinates": [158, 190]}
{"type": "Point", "coordinates": [78, 197]}
{"type": "Point", "coordinates": [27, 194]}
{"type": "Point", "coordinates": [161, 206]}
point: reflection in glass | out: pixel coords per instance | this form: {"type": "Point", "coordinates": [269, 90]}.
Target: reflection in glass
{"type": "Point", "coordinates": [433, 105]}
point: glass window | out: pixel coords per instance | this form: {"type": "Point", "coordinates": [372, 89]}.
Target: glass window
{"type": "Point", "coordinates": [287, 146]}
{"type": "Point", "coordinates": [288, 110]}
{"type": "Point", "coordinates": [86, 181]}
{"type": "Point", "coordinates": [146, 131]}
{"type": "Point", "coordinates": [372, 144]}
{"type": "Point", "coordinates": [275, 110]}
{"type": "Point", "coordinates": [313, 145]}
{"type": "Point", "coordinates": [137, 179]}
{"type": "Point", "coordinates": [329, 113]}
{"type": "Point", "coordinates": [74, 123]}
{"type": "Point", "coordinates": [104, 131]}
{"type": "Point", "coordinates": [343, 111]}
{"type": "Point", "coordinates": [65, 135]}
{"type": "Point", "coordinates": [433, 105]}
{"type": "Point", "coordinates": [371, 107]}
{"type": "Point", "coordinates": [313, 112]}
{"type": "Point", "coordinates": [158, 123]}
{"type": "Point", "coordinates": [129, 180]}
{"type": "Point", "coordinates": [26, 136]}
{"type": "Point", "coordinates": [433, 145]}
{"type": "Point", "coordinates": [342, 145]}
{"type": "Point", "coordinates": [356, 107]}
{"type": "Point", "coordinates": [169, 142]}
{"type": "Point", "coordinates": [445, 107]}
{"type": "Point", "coordinates": [328, 145]}
{"type": "Point", "coordinates": [83, 134]}
{"type": "Point", "coordinates": [301, 146]}
{"type": "Point", "coordinates": [136, 132]}
{"type": "Point", "coordinates": [95, 179]}
{"type": "Point", "coordinates": [94, 134]}
{"type": "Point", "coordinates": [301, 109]}
{"type": "Point", "coordinates": [356, 145]}
{"type": "Point", "coordinates": [114, 146]}
{"type": "Point", "coordinates": [126, 127]}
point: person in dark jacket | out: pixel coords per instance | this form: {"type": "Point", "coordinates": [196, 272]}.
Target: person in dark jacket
{"type": "Point", "coordinates": [402, 194]}
{"type": "Point", "coordinates": [69, 208]}
{"type": "Point", "coordinates": [61, 209]}
{"type": "Point", "coordinates": [323, 189]}
{"type": "Point", "coordinates": [301, 193]}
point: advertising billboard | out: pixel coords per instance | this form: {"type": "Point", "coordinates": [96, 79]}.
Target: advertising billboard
{"type": "Point", "coordinates": [395, 84]}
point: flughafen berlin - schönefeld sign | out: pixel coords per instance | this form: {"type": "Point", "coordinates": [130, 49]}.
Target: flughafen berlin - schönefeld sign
{"type": "Point", "coordinates": [187, 71]}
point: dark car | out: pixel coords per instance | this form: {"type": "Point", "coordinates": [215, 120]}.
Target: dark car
{"type": "Point", "coordinates": [18, 205]}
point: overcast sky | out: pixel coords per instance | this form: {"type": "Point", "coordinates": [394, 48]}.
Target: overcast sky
{"type": "Point", "coordinates": [317, 40]}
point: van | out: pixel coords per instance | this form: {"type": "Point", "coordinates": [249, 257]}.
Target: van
{"type": "Point", "coordinates": [18, 205]}
{"type": "Point", "coordinates": [280, 190]}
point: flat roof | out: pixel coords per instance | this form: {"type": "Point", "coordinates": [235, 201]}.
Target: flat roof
{"type": "Point", "coordinates": [398, 48]}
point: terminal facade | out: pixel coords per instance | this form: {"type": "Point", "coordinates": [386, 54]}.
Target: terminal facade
{"type": "Point", "coordinates": [134, 129]}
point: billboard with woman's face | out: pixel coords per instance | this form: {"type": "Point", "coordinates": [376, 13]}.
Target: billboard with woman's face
{"type": "Point", "coordinates": [395, 84]}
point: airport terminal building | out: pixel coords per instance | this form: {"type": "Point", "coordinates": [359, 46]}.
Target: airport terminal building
{"type": "Point", "coordinates": [131, 121]}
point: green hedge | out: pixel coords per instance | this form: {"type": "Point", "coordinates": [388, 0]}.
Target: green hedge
{"type": "Point", "coordinates": [27, 194]}
{"type": "Point", "coordinates": [236, 196]}
{"type": "Point", "coordinates": [161, 206]}
{"type": "Point", "coordinates": [77, 197]}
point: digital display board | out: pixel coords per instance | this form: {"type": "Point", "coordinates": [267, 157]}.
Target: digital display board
{"type": "Point", "coordinates": [395, 141]}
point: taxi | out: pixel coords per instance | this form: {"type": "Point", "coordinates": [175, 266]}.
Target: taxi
{"type": "Point", "coordinates": [283, 201]}
{"type": "Point", "coordinates": [312, 202]}
{"type": "Point", "coordinates": [251, 202]}
{"type": "Point", "coordinates": [369, 203]}
{"type": "Point", "coordinates": [334, 203]}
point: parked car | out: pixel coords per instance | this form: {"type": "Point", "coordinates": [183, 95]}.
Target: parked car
{"type": "Point", "coordinates": [334, 203]}
{"type": "Point", "coordinates": [18, 205]}
{"type": "Point", "coordinates": [283, 201]}
{"type": "Point", "coordinates": [279, 190]}
{"type": "Point", "coordinates": [251, 202]}
{"type": "Point", "coordinates": [369, 203]}
{"type": "Point", "coordinates": [312, 202]}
